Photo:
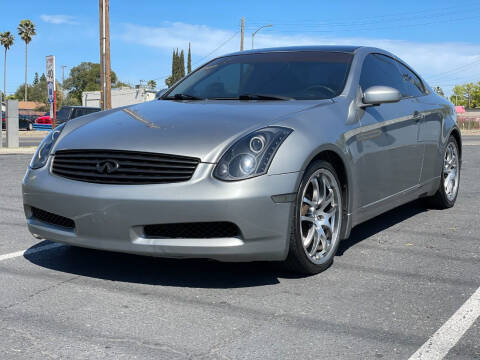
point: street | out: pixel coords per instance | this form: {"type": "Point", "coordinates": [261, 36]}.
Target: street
{"type": "Point", "coordinates": [393, 284]}
{"type": "Point", "coordinates": [27, 138]}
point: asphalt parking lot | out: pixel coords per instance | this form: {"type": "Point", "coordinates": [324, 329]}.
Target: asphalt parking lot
{"type": "Point", "coordinates": [393, 284]}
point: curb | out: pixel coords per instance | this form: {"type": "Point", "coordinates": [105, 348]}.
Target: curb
{"type": "Point", "coordinates": [18, 151]}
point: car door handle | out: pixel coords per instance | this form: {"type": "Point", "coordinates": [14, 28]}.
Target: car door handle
{"type": "Point", "coordinates": [417, 116]}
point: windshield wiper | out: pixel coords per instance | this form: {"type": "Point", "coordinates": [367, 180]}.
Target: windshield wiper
{"type": "Point", "coordinates": [263, 97]}
{"type": "Point", "coordinates": [182, 97]}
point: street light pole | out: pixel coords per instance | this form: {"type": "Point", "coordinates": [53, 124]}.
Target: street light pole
{"type": "Point", "coordinates": [260, 28]}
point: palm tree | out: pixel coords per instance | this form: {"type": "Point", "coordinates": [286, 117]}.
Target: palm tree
{"type": "Point", "coordinates": [26, 30]}
{"type": "Point", "coordinates": [6, 40]}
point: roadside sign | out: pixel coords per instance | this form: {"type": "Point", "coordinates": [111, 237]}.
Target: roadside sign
{"type": "Point", "coordinates": [51, 87]}
{"type": "Point", "coordinates": [51, 69]}
{"type": "Point", "coordinates": [50, 92]}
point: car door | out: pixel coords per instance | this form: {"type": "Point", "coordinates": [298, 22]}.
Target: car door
{"type": "Point", "coordinates": [430, 114]}
{"type": "Point", "coordinates": [389, 155]}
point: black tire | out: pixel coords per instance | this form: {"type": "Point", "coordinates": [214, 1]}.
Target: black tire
{"type": "Point", "coordinates": [297, 260]}
{"type": "Point", "coordinates": [440, 200]}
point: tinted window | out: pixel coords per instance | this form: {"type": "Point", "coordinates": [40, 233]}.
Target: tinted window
{"type": "Point", "coordinates": [89, 111]}
{"type": "Point", "coordinates": [306, 75]}
{"type": "Point", "coordinates": [411, 82]}
{"type": "Point", "coordinates": [380, 70]}
{"type": "Point", "coordinates": [64, 113]}
{"type": "Point", "coordinates": [80, 112]}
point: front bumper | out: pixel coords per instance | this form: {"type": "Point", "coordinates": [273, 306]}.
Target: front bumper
{"type": "Point", "coordinates": [112, 217]}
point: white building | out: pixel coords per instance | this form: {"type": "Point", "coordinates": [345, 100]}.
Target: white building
{"type": "Point", "coordinates": [120, 97]}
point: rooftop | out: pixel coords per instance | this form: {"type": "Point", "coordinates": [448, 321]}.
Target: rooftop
{"type": "Point", "coordinates": [332, 48]}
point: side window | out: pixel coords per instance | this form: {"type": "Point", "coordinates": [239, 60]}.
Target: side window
{"type": "Point", "coordinates": [77, 113]}
{"type": "Point", "coordinates": [380, 70]}
{"type": "Point", "coordinates": [412, 84]}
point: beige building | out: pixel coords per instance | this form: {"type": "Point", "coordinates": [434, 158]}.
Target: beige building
{"type": "Point", "coordinates": [120, 97]}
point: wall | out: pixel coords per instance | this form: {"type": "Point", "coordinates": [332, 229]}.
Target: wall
{"type": "Point", "coordinates": [120, 97]}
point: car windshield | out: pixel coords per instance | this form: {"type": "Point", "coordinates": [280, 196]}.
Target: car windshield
{"type": "Point", "coordinates": [301, 75]}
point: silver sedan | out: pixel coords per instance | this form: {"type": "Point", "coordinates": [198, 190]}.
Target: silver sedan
{"type": "Point", "coordinates": [270, 154]}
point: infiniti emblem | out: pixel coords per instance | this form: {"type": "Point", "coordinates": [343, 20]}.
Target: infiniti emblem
{"type": "Point", "coordinates": [107, 166]}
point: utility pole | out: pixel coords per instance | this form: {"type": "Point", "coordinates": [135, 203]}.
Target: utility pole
{"type": "Point", "coordinates": [105, 75]}
{"type": "Point", "coordinates": [242, 33]}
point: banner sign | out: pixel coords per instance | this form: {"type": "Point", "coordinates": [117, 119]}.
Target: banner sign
{"type": "Point", "coordinates": [51, 77]}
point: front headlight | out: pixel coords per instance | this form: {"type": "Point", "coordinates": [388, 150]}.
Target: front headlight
{"type": "Point", "coordinates": [251, 155]}
{"type": "Point", "coordinates": [43, 151]}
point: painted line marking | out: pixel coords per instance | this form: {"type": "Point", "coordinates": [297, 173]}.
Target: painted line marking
{"type": "Point", "coordinates": [445, 338]}
{"type": "Point", "coordinates": [29, 251]}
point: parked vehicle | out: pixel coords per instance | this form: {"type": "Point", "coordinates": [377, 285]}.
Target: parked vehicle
{"type": "Point", "coordinates": [44, 119]}
{"type": "Point", "coordinates": [67, 113]}
{"type": "Point", "coordinates": [270, 154]}
{"type": "Point", "coordinates": [25, 122]}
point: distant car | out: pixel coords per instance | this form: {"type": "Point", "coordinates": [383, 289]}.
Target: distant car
{"type": "Point", "coordinates": [25, 122]}
{"type": "Point", "coordinates": [71, 112]}
{"type": "Point", "coordinates": [44, 119]}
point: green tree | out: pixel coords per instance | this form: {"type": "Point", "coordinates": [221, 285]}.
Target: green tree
{"type": "Point", "coordinates": [35, 79]}
{"type": "Point", "coordinates": [182, 66]}
{"type": "Point", "coordinates": [467, 95]}
{"type": "Point", "coordinates": [38, 92]}
{"type": "Point", "coordinates": [178, 68]}
{"type": "Point", "coordinates": [169, 80]}
{"type": "Point", "coordinates": [71, 100]}
{"type": "Point", "coordinates": [85, 77]}
{"type": "Point", "coordinates": [189, 60]}
{"type": "Point", "coordinates": [26, 30]}
{"type": "Point", "coordinates": [151, 84]}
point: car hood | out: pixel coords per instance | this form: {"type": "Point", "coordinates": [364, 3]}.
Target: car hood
{"type": "Point", "coordinates": [190, 128]}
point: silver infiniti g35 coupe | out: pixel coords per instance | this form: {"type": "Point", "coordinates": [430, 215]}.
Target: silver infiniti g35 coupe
{"type": "Point", "coordinates": [270, 154]}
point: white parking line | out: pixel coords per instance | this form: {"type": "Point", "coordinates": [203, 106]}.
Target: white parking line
{"type": "Point", "coordinates": [28, 251]}
{"type": "Point", "coordinates": [448, 335]}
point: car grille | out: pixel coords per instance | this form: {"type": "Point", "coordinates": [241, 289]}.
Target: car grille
{"type": "Point", "coordinates": [123, 167]}
{"type": "Point", "coordinates": [200, 230]}
{"type": "Point", "coordinates": [53, 219]}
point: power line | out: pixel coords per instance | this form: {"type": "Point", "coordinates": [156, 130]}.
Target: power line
{"type": "Point", "coordinates": [456, 69]}
{"type": "Point", "coordinates": [217, 48]}
{"type": "Point", "coordinates": [378, 18]}
{"type": "Point", "coordinates": [299, 28]}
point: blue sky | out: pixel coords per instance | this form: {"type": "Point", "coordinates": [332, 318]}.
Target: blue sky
{"type": "Point", "coordinates": [438, 38]}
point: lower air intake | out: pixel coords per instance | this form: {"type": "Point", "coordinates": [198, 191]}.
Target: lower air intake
{"type": "Point", "coordinates": [52, 219]}
{"type": "Point", "coordinates": [200, 230]}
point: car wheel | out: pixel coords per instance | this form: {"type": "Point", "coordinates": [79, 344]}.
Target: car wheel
{"type": "Point", "coordinates": [446, 194]}
{"type": "Point", "coordinates": [316, 220]}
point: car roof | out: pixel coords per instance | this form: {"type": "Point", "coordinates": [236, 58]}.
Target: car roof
{"type": "Point", "coordinates": [328, 48]}
{"type": "Point", "coordinates": [80, 107]}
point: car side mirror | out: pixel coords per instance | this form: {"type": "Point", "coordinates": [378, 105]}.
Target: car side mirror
{"type": "Point", "coordinates": [377, 95]}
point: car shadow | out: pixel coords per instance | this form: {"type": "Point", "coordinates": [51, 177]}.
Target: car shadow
{"type": "Point", "coordinates": [380, 223]}
{"type": "Point", "coordinates": [194, 273]}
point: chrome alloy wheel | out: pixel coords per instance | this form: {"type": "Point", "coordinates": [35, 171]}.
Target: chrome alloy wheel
{"type": "Point", "coordinates": [320, 215]}
{"type": "Point", "coordinates": [450, 171]}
